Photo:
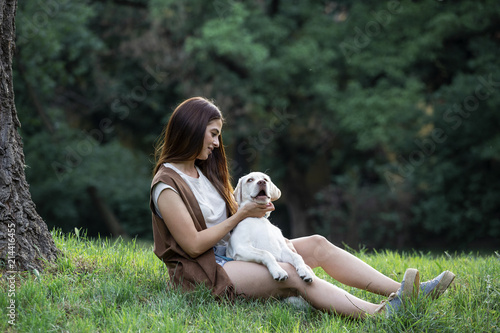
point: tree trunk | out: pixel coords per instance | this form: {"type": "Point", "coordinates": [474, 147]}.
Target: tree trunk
{"type": "Point", "coordinates": [25, 242]}
{"type": "Point", "coordinates": [298, 200]}
{"type": "Point", "coordinates": [109, 218]}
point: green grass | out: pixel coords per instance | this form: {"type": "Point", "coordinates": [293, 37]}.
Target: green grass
{"type": "Point", "coordinates": [119, 286]}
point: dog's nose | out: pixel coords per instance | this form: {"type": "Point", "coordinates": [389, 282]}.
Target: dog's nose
{"type": "Point", "coordinates": [261, 183]}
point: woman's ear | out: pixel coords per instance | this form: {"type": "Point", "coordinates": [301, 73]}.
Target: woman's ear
{"type": "Point", "coordinates": [237, 192]}
{"type": "Point", "coordinates": [274, 191]}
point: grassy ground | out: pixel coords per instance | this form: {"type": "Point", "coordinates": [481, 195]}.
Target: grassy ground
{"type": "Point", "coordinates": [118, 286]}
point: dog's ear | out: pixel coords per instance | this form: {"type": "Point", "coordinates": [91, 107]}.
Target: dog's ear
{"type": "Point", "coordinates": [274, 191]}
{"type": "Point", "coordinates": [237, 192]}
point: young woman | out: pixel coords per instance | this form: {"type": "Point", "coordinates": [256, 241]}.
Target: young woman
{"type": "Point", "coordinates": [194, 212]}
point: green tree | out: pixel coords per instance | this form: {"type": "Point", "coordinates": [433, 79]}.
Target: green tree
{"type": "Point", "coordinates": [75, 129]}
{"type": "Point", "coordinates": [350, 107]}
{"type": "Point", "coordinates": [354, 87]}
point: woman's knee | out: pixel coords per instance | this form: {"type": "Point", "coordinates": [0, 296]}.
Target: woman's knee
{"type": "Point", "coordinates": [320, 249]}
{"type": "Point", "coordinates": [320, 240]}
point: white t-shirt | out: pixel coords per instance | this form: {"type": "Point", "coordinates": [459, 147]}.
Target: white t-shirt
{"type": "Point", "coordinates": [213, 206]}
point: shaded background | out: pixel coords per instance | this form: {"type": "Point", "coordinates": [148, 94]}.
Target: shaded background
{"type": "Point", "coordinates": [379, 121]}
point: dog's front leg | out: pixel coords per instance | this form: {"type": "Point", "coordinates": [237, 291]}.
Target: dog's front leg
{"type": "Point", "coordinates": [296, 260]}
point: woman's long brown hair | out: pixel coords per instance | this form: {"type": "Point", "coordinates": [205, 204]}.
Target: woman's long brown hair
{"type": "Point", "coordinates": [182, 140]}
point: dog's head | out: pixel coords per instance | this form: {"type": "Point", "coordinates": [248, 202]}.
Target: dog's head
{"type": "Point", "coordinates": [257, 187]}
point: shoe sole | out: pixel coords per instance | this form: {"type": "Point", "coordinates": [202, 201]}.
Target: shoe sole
{"type": "Point", "coordinates": [411, 286]}
{"type": "Point", "coordinates": [442, 285]}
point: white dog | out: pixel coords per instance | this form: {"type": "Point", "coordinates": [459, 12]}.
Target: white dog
{"type": "Point", "coordinates": [256, 239]}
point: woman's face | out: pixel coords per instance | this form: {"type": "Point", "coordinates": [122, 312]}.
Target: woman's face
{"type": "Point", "coordinates": [211, 141]}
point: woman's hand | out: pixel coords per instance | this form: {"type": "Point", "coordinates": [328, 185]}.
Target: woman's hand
{"type": "Point", "coordinates": [253, 209]}
{"type": "Point", "coordinates": [181, 225]}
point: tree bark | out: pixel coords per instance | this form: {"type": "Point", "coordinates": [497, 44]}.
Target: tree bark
{"type": "Point", "coordinates": [298, 201]}
{"type": "Point", "coordinates": [25, 242]}
{"type": "Point", "coordinates": [109, 218]}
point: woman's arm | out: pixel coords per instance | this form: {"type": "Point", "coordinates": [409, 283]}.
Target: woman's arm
{"type": "Point", "coordinates": [181, 225]}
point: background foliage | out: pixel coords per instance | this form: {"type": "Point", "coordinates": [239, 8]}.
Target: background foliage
{"type": "Point", "coordinates": [378, 120]}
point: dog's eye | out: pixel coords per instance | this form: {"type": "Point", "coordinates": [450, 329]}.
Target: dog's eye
{"type": "Point", "coordinates": [266, 179]}
{"type": "Point", "coordinates": [250, 180]}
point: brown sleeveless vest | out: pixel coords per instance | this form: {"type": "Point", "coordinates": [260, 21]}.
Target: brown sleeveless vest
{"type": "Point", "coordinates": [183, 270]}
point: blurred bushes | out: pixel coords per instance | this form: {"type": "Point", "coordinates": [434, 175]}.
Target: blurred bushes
{"type": "Point", "coordinates": [62, 170]}
{"type": "Point", "coordinates": [377, 120]}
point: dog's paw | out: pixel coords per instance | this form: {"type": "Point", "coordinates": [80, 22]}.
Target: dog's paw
{"type": "Point", "coordinates": [282, 278]}
{"type": "Point", "coordinates": [307, 279]}
{"type": "Point", "coordinates": [279, 274]}
{"type": "Point", "coordinates": [305, 274]}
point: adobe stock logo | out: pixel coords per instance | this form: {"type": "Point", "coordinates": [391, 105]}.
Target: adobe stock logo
{"type": "Point", "coordinates": [373, 28]}
{"type": "Point", "coordinates": [121, 108]}
{"type": "Point", "coordinates": [34, 25]}
{"type": "Point", "coordinates": [453, 117]}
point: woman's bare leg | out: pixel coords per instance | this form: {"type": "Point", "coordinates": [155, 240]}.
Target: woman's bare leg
{"type": "Point", "coordinates": [317, 251]}
{"type": "Point", "coordinates": [255, 281]}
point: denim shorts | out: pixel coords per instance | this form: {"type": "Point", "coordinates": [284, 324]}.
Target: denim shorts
{"type": "Point", "coordinates": [220, 255]}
